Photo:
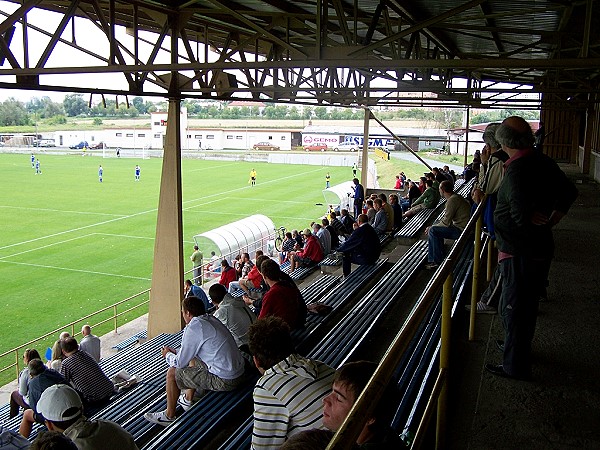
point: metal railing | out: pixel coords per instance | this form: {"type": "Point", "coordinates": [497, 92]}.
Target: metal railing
{"type": "Point", "coordinates": [71, 327]}
{"type": "Point", "coordinates": [365, 405]}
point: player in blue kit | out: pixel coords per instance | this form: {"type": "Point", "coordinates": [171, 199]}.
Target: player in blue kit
{"type": "Point", "coordinates": [37, 167]}
{"type": "Point", "coordinates": [137, 172]}
{"type": "Point", "coordinates": [100, 173]}
{"type": "Point", "coordinates": [32, 161]}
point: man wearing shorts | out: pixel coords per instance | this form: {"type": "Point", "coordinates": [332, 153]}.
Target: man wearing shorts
{"type": "Point", "coordinates": [208, 360]}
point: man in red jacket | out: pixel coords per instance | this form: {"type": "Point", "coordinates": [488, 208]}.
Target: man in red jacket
{"type": "Point", "coordinates": [312, 253]}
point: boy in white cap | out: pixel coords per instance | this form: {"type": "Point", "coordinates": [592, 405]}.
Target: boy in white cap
{"type": "Point", "coordinates": [62, 409]}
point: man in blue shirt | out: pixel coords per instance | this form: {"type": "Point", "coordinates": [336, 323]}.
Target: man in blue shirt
{"type": "Point", "coordinates": [137, 172]}
{"type": "Point", "coordinates": [100, 172]}
{"type": "Point", "coordinates": [359, 197]}
{"type": "Point", "coordinates": [191, 290]}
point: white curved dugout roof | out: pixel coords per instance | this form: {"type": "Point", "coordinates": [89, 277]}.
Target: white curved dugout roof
{"type": "Point", "coordinates": [245, 235]}
{"type": "Point", "coordinates": [338, 195]}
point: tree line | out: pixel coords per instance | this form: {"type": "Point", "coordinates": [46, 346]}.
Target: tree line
{"type": "Point", "coordinates": [14, 112]}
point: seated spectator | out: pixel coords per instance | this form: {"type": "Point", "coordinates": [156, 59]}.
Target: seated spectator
{"type": "Point", "coordinates": [228, 274]}
{"type": "Point", "coordinates": [286, 246]}
{"type": "Point", "coordinates": [395, 204]}
{"type": "Point", "coordinates": [348, 383]}
{"type": "Point", "coordinates": [449, 174]}
{"type": "Point", "coordinates": [347, 220]}
{"type": "Point", "coordinates": [288, 396]}
{"type": "Point", "coordinates": [362, 247]}
{"type": "Point", "coordinates": [191, 290]}
{"type": "Point", "coordinates": [233, 313]}
{"type": "Point", "coordinates": [298, 238]}
{"type": "Point", "coordinates": [323, 236]}
{"type": "Point", "coordinates": [19, 398]}
{"type": "Point", "coordinates": [208, 359]}
{"type": "Point", "coordinates": [90, 343]}
{"type": "Point", "coordinates": [413, 193]}
{"type": "Point", "coordinates": [428, 200]}
{"type": "Point", "coordinates": [52, 440]}
{"type": "Point", "coordinates": [453, 222]}
{"type": "Point", "coordinates": [308, 440]}
{"type": "Point", "coordinates": [312, 253]}
{"type": "Point", "coordinates": [389, 212]}
{"type": "Point", "coordinates": [398, 184]}
{"type": "Point", "coordinates": [237, 265]}
{"type": "Point", "coordinates": [371, 211]}
{"type": "Point", "coordinates": [213, 265]}
{"type": "Point", "coordinates": [251, 281]}
{"type": "Point", "coordinates": [11, 440]}
{"type": "Point", "coordinates": [57, 357]}
{"type": "Point", "coordinates": [335, 239]}
{"type": "Point", "coordinates": [283, 299]}
{"type": "Point", "coordinates": [64, 335]}
{"type": "Point", "coordinates": [439, 176]}
{"type": "Point", "coordinates": [422, 184]}
{"type": "Point", "coordinates": [255, 299]}
{"type": "Point", "coordinates": [41, 379]}
{"type": "Point", "coordinates": [380, 222]}
{"type": "Point", "coordinates": [337, 225]}
{"type": "Point", "coordinates": [62, 410]}
{"type": "Point", "coordinates": [85, 375]}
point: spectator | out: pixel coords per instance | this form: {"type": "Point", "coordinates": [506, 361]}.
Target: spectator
{"type": "Point", "coordinates": [455, 218]}
{"type": "Point", "coordinates": [252, 280]}
{"type": "Point", "coordinates": [308, 440]}
{"type": "Point", "coordinates": [359, 197]}
{"type": "Point", "coordinates": [348, 383]}
{"type": "Point", "coordinates": [398, 184]}
{"type": "Point", "coordinates": [213, 265]}
{"type": "Point", "coordinates": [85, 375]}
{"type": "Point", "coordinates": [228, 274]}
{"type": "Point", "coordinates": [533, 197]}
{"type": "Point", "coordinates": [41, 379]}
{"type": "Point", "coordinates": [52, 440]}
{"type": "Point", "coordinates": [298, 238]}
{"type": "Point", "coordinates": [62, 410]}
{"type": "Point", "coordinates": [422, 184]}
{"type": "Point", "coordinates": [90, 343]}
{"type": "Point", "coordinates": [337, 225]}
{"type": "Point", "coordinates": [380, 222]}
{"type": "Point", "coordinates": [283, 299]}
{"type": "Point", "coordinates": [288, 395]}
{"type": "Point", "coordinates": [413, 193]}
{"type": "Point", "coordinates": [312, 253]}
{"type": "Point", "coordinates": [20, 397]}
{"type": "Point", "coordinates": [286, 246]}
{"type": "Point", "coordinates": [449, 174]}
{"type": "Point", "coordinates": [347, 220]}
{"type": "Point", "coordinates": [428, 200]}
{"type": "Point", "coordinates": [335, 239]}
{"type": "Point", "coordinates": [10, 440]}
{"type": "Point", "coordinates": [197, 263]}
{"type": "Point", "coordinates": [397, 210]}
{"type": "Point", "coordinates": [57, 357]}
{"type": "Point", "coordinates": [362, 247]}
{"type": "Point", "coordinates": [233, 313]}
{"type": "Point", "coordinates": [64, 335]}
{"type": "Point", "coordinates": [370, 211]}
{"type": "Point", "coordinates": [208, 359]}
{"type": "Point", "coordinates": [324, 238]}
{"type": "Point", "coordinates": [191, 290]}
{"type": "Point", "coordinates": [389, 212]}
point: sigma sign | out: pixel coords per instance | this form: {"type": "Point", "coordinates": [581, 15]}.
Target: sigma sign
{"type": "Point", "coordinates": [334, 140]}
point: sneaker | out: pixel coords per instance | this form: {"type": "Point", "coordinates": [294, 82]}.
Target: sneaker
{"type": "Point", "coordinates": [184, 402]}
{"type": "Point", "coordinates": [159, 418]}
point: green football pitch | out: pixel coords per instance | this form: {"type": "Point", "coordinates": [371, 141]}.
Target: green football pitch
{"type": "Point", "coordinates": [71, 245]}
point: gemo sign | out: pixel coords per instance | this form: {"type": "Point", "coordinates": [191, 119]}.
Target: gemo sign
{"type": "Point", "coordinates": [320, 139]}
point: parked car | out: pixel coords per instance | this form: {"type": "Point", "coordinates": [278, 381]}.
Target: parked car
{"type": "Point", "coordinates": [317, 147]}
{"type": "Point", "coordinates": [99, 145]}
{"type": "Point", "coordinates": [265, 146]}
{"type": "Point", "coordinates": [345, 147]}
{"type": "Point", "coordinates": [82, 144]}
{"type": "Point", "coordinates": [45, 143]}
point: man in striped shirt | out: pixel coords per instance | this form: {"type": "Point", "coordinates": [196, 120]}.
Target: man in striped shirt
{"type": "Point", "coordinates": [288, 397]}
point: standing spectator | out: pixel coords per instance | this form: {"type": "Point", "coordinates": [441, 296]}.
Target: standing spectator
{"type": "Point", "coordinates": [20, 397]}
{"type": "Point", "coordinates": [312, 253]}
{"type": "Point", "coordinates": [85, 375]}
{"type": "Point", "coordinates": [533, 197]}
{"type": "Point", "coordinates": [359, 197]}
{"type": "Point", "coordinates": [197, 263]}
{"type": "Point", "coordinates": [62, 410]}
{"type": "Point", "coordinates": [208, 360]}
{"type": "Point", "coordinates": [362, 247]}
{"type": "Point", "coordinates": [233, 313]}
{"type": "Point", "coordinates": [288, 396]}
{"type": "Point", "coordinates": [191, 290]}
{"type": "Point", "coordinates": [283, 299]}
{"type": "Point", "coordinates": [41, 379]}
{"type": "Point", "coordinates": [100, 173]}
{"type": "Point", "coordinates": [327, 180]}
{"type": "Point", "coordinates": [90, 343]}
{"type": "Point", "coordinates": [228, 274]}
{"type": "Point", "coordinates": [455, 218]}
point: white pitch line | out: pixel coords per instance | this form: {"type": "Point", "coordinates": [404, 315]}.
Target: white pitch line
{"type": "Point", "coordinates": [62, 211]}
{"type": "Point", "coordinates": [45, 246]}
{"type": "Point", "coordinates": [92, 272]}
{"type": "Point", "coordinates": [123, 236]}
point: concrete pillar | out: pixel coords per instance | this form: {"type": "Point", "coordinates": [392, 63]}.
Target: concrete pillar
{"type": "Point", "coordinates": [167, 269]}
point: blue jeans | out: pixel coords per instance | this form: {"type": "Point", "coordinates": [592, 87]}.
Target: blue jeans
{"type": "Point", "coordinates": [435, 251]}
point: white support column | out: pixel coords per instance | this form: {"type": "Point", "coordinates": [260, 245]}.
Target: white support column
{"type": "Point", "coordinates": [364, 167]}
{"type": "Point", "coordinates": [167, 270]}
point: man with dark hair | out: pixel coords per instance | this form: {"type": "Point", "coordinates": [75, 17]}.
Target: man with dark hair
{"type": "Point", "coordinates": [347, 221]}
{"type": "Point", "coordinates": [52, 440]}
{"type": "Point", "coordinates": [208, 360]}
{"type": "Point", "coordinates": [197, 263]}
{"type": "Point", "coordinates": [362, 247]}
{"type": "Point", "coordinates": [380, 223]}
{"type": "Point", "coordinates": [191, 290]}
{"type": "Point", "coordinates": [389, 212]}
{"type": "Point", "coordinates": [233, 313]}
{"type": "Point", "coordinates": [533, 197]}
{"type": "Point", "coordinates": [335, 239]}
{"type": "Point", "coordinates": [283, 299]}
{"type": "Point", "coordinates": [41, 379]}
{"type": "Point", "coordinates": [62, 410]}
{"type": "Point", "coordinates": [348, 383]}
{"type": "Point", "coordinates": [395, 204]}
{"type": "Point", "coordinates": [289, 394]}
{"type": "Point", "coordinates": [453, 222]}
{"type": "Point", "coordinates": [359, 197]}
{"type": "Point", "coordinates": [85, 375]}
{"type": "Point", "coordinates": [428, 199]}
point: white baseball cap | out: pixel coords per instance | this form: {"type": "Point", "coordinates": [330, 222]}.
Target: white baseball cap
{"type": "Point", "coordinates": [60, 403]}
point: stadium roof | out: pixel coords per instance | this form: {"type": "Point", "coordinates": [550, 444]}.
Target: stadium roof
{"type": "Point", "coordinates": [484, 53]}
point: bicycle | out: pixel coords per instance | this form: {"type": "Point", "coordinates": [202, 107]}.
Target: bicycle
{"type": "Point", "coordinates": [279, 239]}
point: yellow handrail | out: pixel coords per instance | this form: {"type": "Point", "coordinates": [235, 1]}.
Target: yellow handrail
{"type": "Point", "coordinates": [363, 408]}
{"type": "Point", "coordinates": [72, 324]}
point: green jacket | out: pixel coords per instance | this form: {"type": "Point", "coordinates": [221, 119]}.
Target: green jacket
{"type": "Point", "coordinates": [429, 198]}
